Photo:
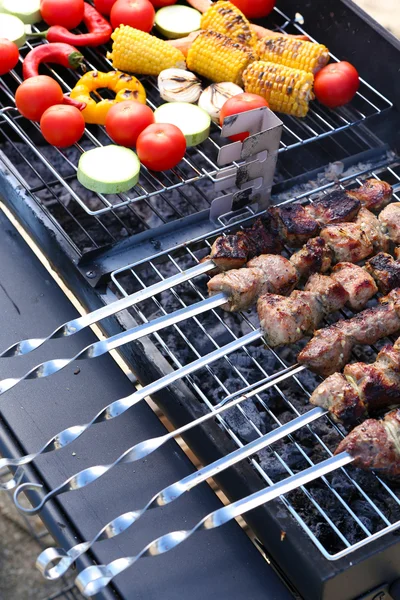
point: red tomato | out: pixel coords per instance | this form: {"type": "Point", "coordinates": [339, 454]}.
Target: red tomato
{"type": "Point", "coordinates": [238, 104]}
{"type": "Point", "coordinates": [161, 3]}
{"type": "Point", "coordinates": [336, 84]}
{"type": "Point", "coordinates": [139, 14]}
{"type": "Point", "coordinates": [161, 146]}
{"type": "Point", "coordinates": [104, 6]}
{"type": "Point", "coordinates": [37, 94]}
{"type": "Point", "coordinates": [126, 120]}
{"type": "Point", "coordinates": [62, 125]}
{"type": "Point", "coordinates": [9, 55]}
{"type": "Point", "coordinates": [67, 13]}
{"type": "Point", "coordinates": [254, 9]}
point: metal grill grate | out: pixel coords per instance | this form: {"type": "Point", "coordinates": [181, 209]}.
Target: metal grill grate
{"type": "Point", "coordinates": [339, 512]}
{"type": "Point", "coordinates": [89, 221]}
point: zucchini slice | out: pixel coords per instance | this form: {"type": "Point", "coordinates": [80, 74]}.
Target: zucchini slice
{"type": "Point", "coordinates": [12, 29]}
{"type": "Point", "coordinates": [109, 169]}
{"type": "Point", "coordinates": [192, 120]}
{"type": "Point", "coordinates": [26, 10]}
{"type": "Point", "coordinates": [177, 21]}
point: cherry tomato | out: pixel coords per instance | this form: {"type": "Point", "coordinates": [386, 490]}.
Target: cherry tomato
{"type": "Point", "coordinates": [139, 14]}
{"type": "Point", "coordinates": [161, 3]}
{"type": "Point", "coordinates": [104, 6]}
{"type": "Point", "coordinates": [336, 84]}
{"type": "Point", "coordinates": [37, 94]}
{"type": "Point", "coordinates": [126, 120]}
{"type": "Point", "coordinates": [67, 13]}
{"type": "Point", "coordinates": [161, 146]}
{"type": "Point", "coordinates": [62, 125]}
{"type": "Point", "coordinates": [254, 9]}
{"type": "Point", "coordinates": [238, 104]}
{"type": "Point", "coordinates": [9, 55]}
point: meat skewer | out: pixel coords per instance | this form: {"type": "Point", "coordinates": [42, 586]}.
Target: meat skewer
{"type": "Point", "coordinates": [330, 348]}
{"type": "Point", "coordinates": [292, 318]}
{"type": "Point", "coordinates": [362, 388]}
{"type": "Point", "coordinates": [355, 281]}
{"type": "Point", "coordinates": [331, 295]}
{"type": "Point", "coordinates": [228, 252]}
{"type": "Point", "coordinates": [295, 224]}
{"type": "Point", "coordinates": [342, 242]}
{"type": "Point", "coordinates": [374, 445]}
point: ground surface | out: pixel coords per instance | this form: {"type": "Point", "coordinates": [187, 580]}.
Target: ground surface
{"type": "Point", "coordinates": [386, 12]}
{"type": "Point", "coordinates": [19, 580]}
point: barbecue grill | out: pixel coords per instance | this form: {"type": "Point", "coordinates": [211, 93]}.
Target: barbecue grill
{"type": "Point", "coordinates": [138, 259]}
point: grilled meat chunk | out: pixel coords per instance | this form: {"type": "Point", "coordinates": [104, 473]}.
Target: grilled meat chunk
{"type": "Point", "coordinates": [261, 239]}
{"type": "Point", "coordinates": [385, 270]}
{"type": "Point", "coordinates": [362, 389]}
{"type": "Point", "coordinates": [337, 207]}
{"type": "Point", "coordinates": [331, 293]}
{"type": "Point", "coordinates": [293, 223]}
{"type": "Point", "coordinates": [375, 445]}
{"type": "Point", "coordinates": [278, 272]}
{"type": "Point", "coordinates": [390, 219]}
{"type": "Point", "coordinates": [330, 348]}
{"type": "Point", "coordinates": [378, 387]}
{"type": "Point", "coordinates": [373, 194]}
{"type": "Point", "coordinates": [328, 351]}
{"type": "Point", "coordinates": [241, 285]}
{"type": "Point", "coordinates": [337, 395]}
{"type": "Point", "coordinates": [371, 226]}
{"type": "Point", "coordinates": [348, 242]}
{"type": "Point", "coordinates": [265, 273]}
{"type": "Point", "coordinates": [230, 252]}
{"type": "Point", "coordinates": [359, 285]}
{"type": "Point", "coordinates": [287, 320]}
{"type": "Point", "coordinates": [233, 251]}
{"type": "Point", "coordinates": [315, 256]}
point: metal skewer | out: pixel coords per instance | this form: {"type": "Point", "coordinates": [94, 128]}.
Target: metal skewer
{"type": "Point", "coordinates": [170, 493]}
{"type": "Point", "coordinates": [119, 407]}
{"type": "Point", "coordinates": [146, 447]}
{"type": "Point", "coordinates": [95, 578]}
{"type": "Point", "coordinates": [71, 327]}
{"type": "Point", "coordinates": [50, 367]}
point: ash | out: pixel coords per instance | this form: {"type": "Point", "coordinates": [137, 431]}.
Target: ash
{"type": "Point", "coordinates": [333, 498]}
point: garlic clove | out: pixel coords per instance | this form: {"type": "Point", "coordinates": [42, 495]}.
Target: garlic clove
{"type": "Point", "coordinates": [214, 97]}
{"type": "Point", "coordinates": [178, 85]}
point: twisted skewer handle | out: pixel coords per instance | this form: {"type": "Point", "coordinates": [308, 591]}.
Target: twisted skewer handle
{"type": "Point", "coordinates": [145, 448]}
{"type": "Point", "coordinates": [93, 580]}
{"type": "Point", "coordinates": [119, 407]}
{"type": "Point", "coordinates": [72, 327]}
{"type": "Point", "coordinates": [170, 493]}
{"type": "Point", "coordinates": [101, 347]}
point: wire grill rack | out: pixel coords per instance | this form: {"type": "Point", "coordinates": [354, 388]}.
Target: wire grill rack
{"type": "Point", "coordinates": [89, 221]}
{"type": "Point", "coordinates": [339, 512]}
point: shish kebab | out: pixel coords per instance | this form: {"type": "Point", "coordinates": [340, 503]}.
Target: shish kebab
{"type": "Point", "coordinates": [352, 241]}
{"type": "Point", "coordinates": [358, 288]}
{"type": "Point", "coordinates": [297, 223]}
{"type": "Point", "coordinates": [337, 296]}
{"type": "Point", "coordinates": [374, 445]}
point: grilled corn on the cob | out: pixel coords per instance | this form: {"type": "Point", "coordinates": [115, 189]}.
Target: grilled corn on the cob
{"type": "Point", "coordinates": [139, 52]}
{"type": "Point", "coordinates": [217, 57]}
{"type": "Point", "coordinates": [224, 17]}
{"type": "Point", "coordinates": [286, 90]}
{"type": "Point", "coordinates": [290, 52]}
